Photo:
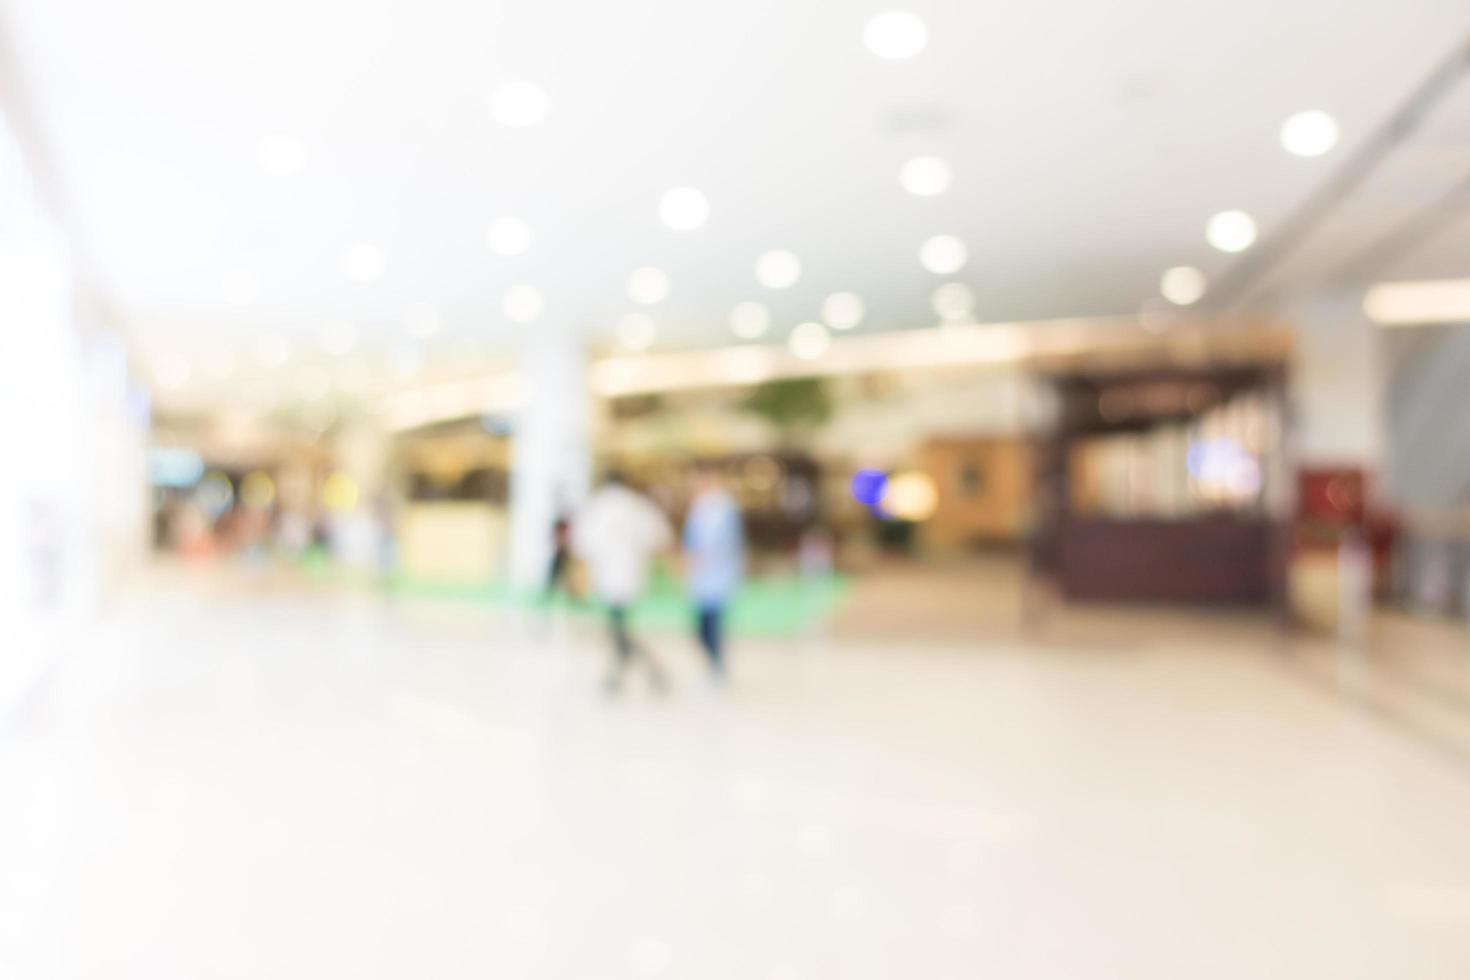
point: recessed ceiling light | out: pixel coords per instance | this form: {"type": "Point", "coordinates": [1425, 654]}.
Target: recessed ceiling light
{"type": "Point", "coordinates": [842, 311]}
{"type": "Point", "coordinates": [778, 269]}
{"type": "Point", "coordinates": [954, 302]}
{"type": "Point", "coordinates": [637, 331]}
{"type": "Point", "coordinates": [749, 320]}
{"type": "Point", "coordinates": [519, 104]}
{"type": "Point", "coordinates": [172, 371]}
{"type": "Point", "coordinates": [423, 320]}
{"type": "Point", "coordinates": [943, 255]}
{"type": "Point", "coordinates": [895, 35]}
{"type": "Point", "coordinates": [925, 176]}
{"type": "Point", "coordinates": [683, 209]}
{"type": "Point", "coordinates": [508, 236]}
{"type": "Point", "coordinates": [1183, 285]}
{"type": "Point", "coordinates": [281, 155]}
{"type": "Point", "coordinates": [338, 337]}
{"type": "Point", "coordinates": [364, 262]}
{"type": "Point", "coordinates": [648, 285]}
{"type": "Point", "coordinates": [1309, 134]}
{"type": "Point", "coordinates": [809, 341]}
{"type": "Point", "coordinates": [240, 287]}
{"type": "Point", "coordinates": [522, 303]}
{"type": "Point", "coordinates": [1231, 231]}
{"type": "Point", "coordinates": [273, 350]}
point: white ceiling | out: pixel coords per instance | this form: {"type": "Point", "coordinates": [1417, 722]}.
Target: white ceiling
{"type": "Point", "coordinates": [1091, 141]}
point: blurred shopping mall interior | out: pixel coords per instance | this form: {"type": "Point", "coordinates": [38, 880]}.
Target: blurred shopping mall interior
{"type": "Point", "coordinates": [1091, 382]}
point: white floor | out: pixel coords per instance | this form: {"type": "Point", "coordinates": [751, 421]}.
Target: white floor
{"type": "Point", "coordinates": [297, 787]}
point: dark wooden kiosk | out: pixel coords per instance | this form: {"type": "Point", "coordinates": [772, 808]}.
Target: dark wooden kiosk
{"type": "Point", "coordinates": [1166, 485]}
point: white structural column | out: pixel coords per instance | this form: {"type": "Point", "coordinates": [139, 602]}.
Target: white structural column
{"type": "Point", "coordinates": [1337, 382]}
{"type": "Point", "coordinates": [550, 456]}
{"type": "Point", "coordinates": [1337, 390]}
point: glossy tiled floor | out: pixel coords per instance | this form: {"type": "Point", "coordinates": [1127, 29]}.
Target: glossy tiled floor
{"type": "Point", "coordinates": [294, 786]}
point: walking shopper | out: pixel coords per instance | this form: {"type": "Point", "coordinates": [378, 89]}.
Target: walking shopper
{"type": "Point", "coordinates": [714, 559]}
{"type": "Point", "coordinates": [557, 576]}
{"type": "Point", "coordinates": [618, 533]}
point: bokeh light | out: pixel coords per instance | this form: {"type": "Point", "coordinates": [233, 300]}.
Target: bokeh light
{"type": "Point", "coordinates": [867, 486]}
{"type": "Point", "coordinates": [750, 320]}
{"type": "Point", "coordinates": [522, 303]}
{"type": "Point", "coordinates": [926, 176]}
{"type": "Point", "coordinates": [339, 492]}
{"type": "Point", "coordinates": [943, 255]}
{"type": "Point", "coordinates": [1231, 231]}
{"type": "Point", "coordinates": [1309, 134]}
{"type": "Point", "coordinates": [809, 341]}
{"type": "Point", "coordinates": [895, 35]}
{"type": "Point", "coordinates": [910, 496]}
{"type": "Point", "coordinates": [778, 269]}
{"type": "Point", "coordinates": [683, 209]}
{"type": "Point", "coordinates": [648, 285]}
{"type": "Point", "coordinates": [1183, 285]}
{"type": "Point", "coordinates": [843, 311]}
{"type": "Point", "coordinates": [257, 490]}
{"type": "Point", "coordinates": [214, 494]}
{"type": "Point", "coordinates": [954, 302]}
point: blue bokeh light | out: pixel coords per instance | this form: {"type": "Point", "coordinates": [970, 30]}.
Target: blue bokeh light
{"type": "Point", "coordinates": [867, 486]}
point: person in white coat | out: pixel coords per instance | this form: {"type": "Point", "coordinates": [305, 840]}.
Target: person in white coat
{"type": "Point", "coordinates": [618, 533]}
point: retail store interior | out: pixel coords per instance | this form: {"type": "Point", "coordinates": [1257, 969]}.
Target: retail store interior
{"type": "Point", "coordinates": [778, 490]}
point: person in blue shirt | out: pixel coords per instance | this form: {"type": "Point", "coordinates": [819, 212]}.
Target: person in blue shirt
{"type": "Point", "coordinates": [714, 559]}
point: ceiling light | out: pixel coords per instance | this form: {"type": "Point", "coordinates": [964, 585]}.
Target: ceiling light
{"type": "Point", "coordinates": [809, 341]}
{"type": "Point", "coordinates": [842, 311]}
{"type": "Point", "coordinates": [637, 331]}
{"type": "Point", "coordinates": [519, 104]}
{"type": "Point", "coordinates": [925, 176]}
{"type": "Point", "coordinates": [364, 262]}
{"type": "Point", "coordinates": [522, 303]}
{"type": "Point", "coordinates": [508, 236]}
{"type": "Point", "coordinates": [273, 350]}
{"type": "Point", "coordinates": [240, 287]}
{"type": "Point", "coordinates": [1231, 231]}
{"type": "Point", "coordinates": [281, 155]}
{"type": "Point", "coordinates": [749, 320]}
{"type": "Point", "coordinates": [778, 269]}
{"type": "Point", "coordinates": [1398, 304]}
{"type": "Point", "coordinates": [423, 320]}
{"type": "Point", "coordinates": [172, 371]}
{"type": "Point", "coordinates": [943, 255]}
{"type": "Point", "coordinates": [895, 35]}
{"type": "Point", "coordinates": [683, 209]}
{"type": "Point", "coordinates": [338, 337]}
{"type": "Point", "coordinates": [954, 302]}
{"type": "Point", "coordinates": [648, 285]}
{"type": "Point", "coordinates": [1183, 285]}
{"type": "Point", "coordinates": [1309, 134]}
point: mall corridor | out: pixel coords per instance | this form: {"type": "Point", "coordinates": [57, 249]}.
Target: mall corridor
{"type": "Point", "coordinates": [1052, 414]}
{"type": "Point", "coordinates": [293, 784]}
